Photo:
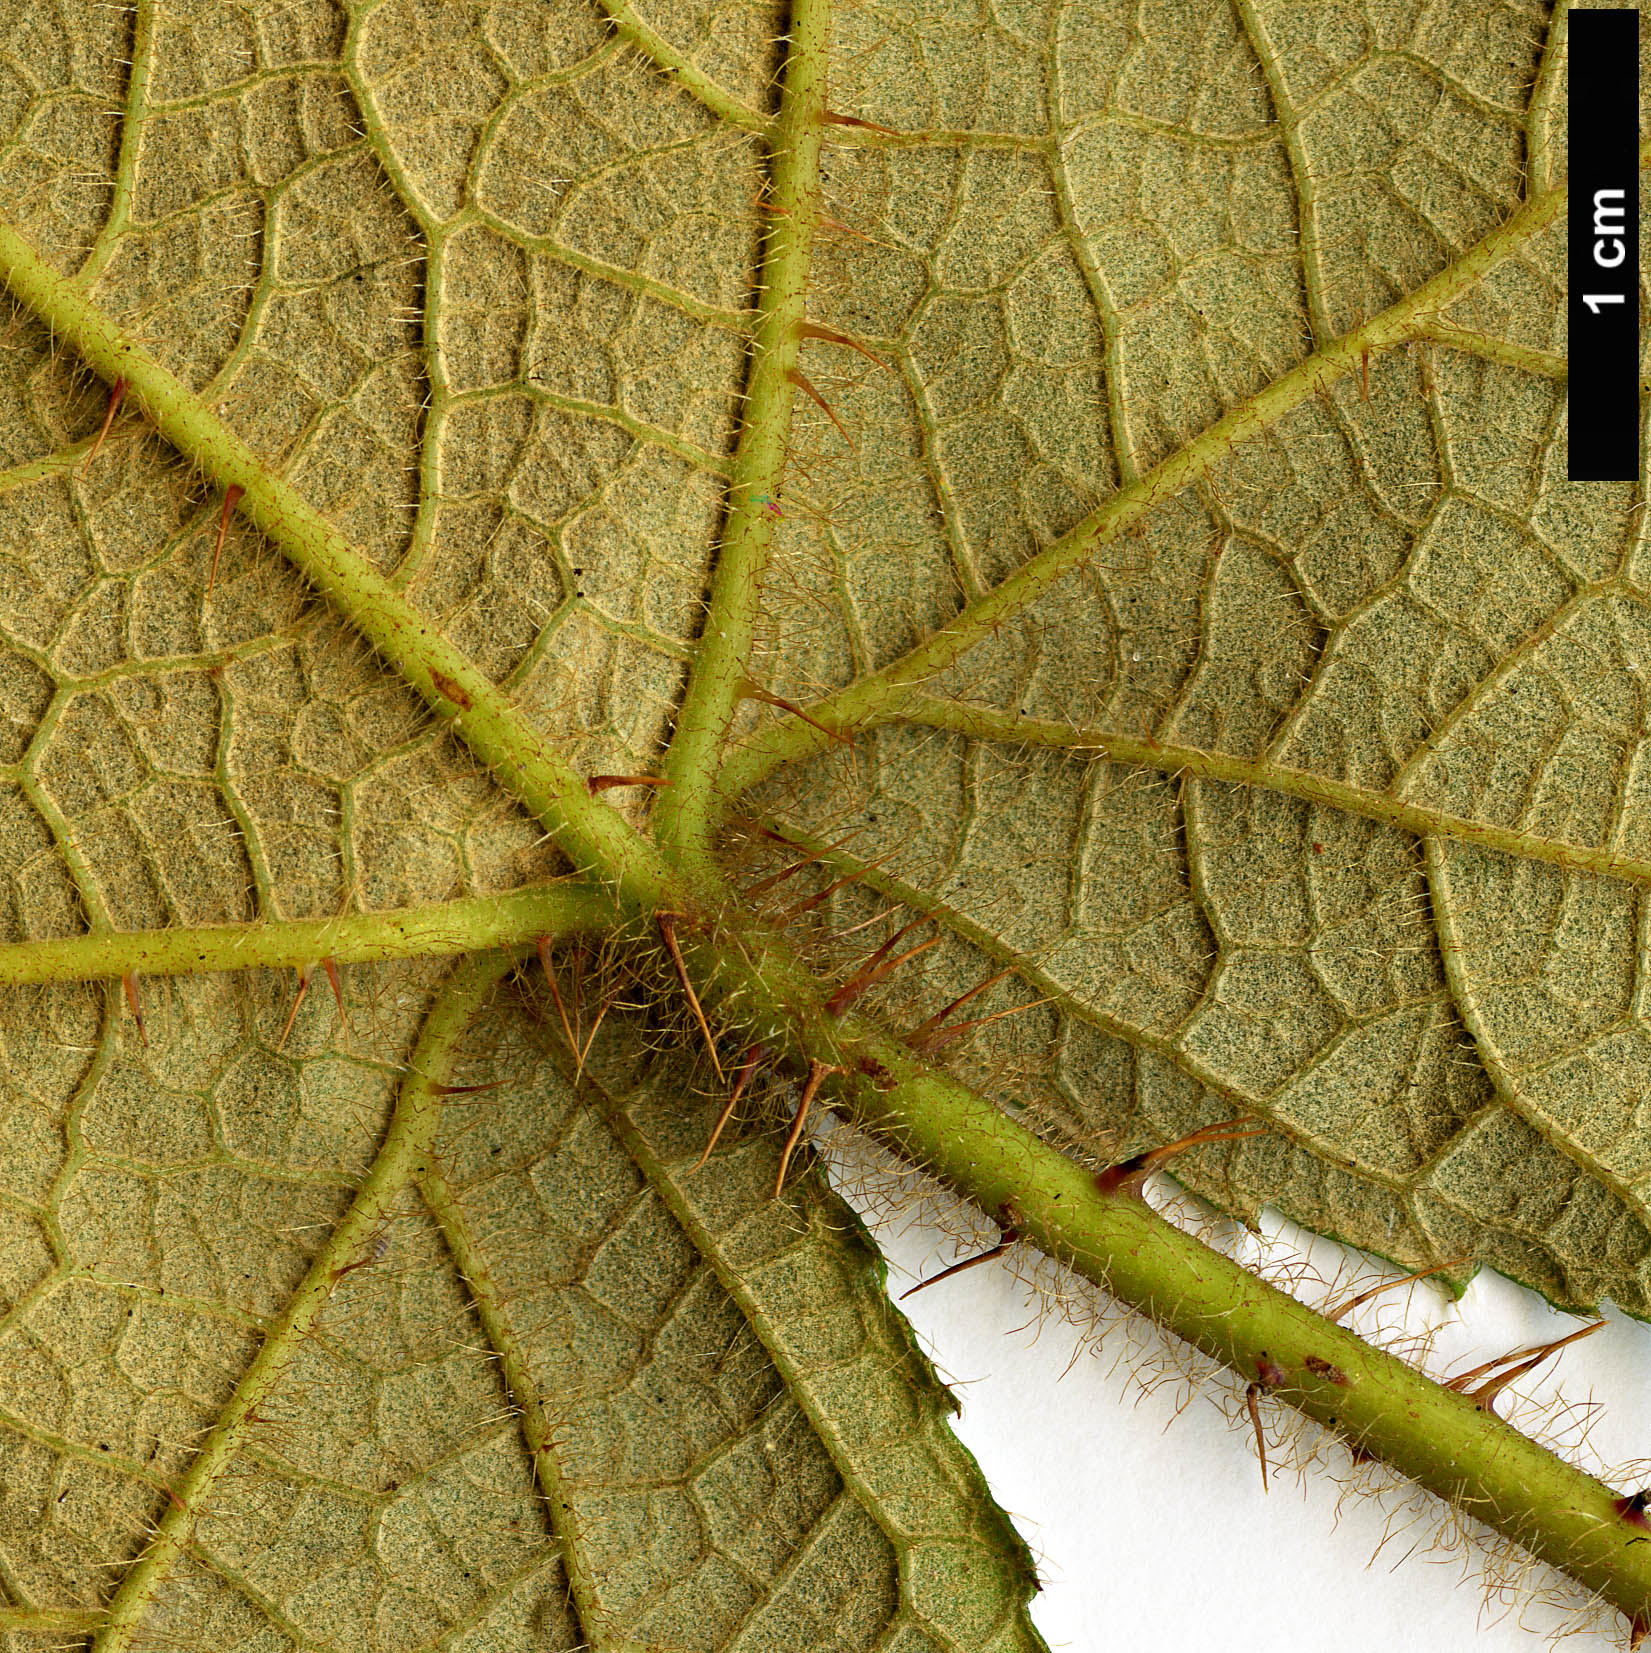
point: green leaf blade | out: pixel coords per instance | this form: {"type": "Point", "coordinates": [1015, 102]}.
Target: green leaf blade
{"type": "Point", "coordinates": [1163, 522]}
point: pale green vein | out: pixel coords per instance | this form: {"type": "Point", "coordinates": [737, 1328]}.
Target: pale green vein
{"type": "Point", "coordinates": [59, 463]}
{"type": "Point", "coordinates": [872, 137]}
{"type": "Point", "coordinates": [985, 723]}
{"type": "Point", "coordinates": [145, 15]}
{"type": "Point", "coordinates": [715, 685]}
{"type": "Point", "coordinates": [1541, 115]}
{"type": "Point", "coordinates": [282, 74]}
{"type": "Point", "coordinates": [681, 68]}
{"type": "Point", "coordinates": [864, 1465]}
{"type": "Point", "coordinates": [538, 1427]}
{"type": "Point", "coordinates": [1556, 1132]}
{"type": "Point", "coordinates": [77, 1151]}
{"type": "Point", "coordinates": [1302, 174]}
{"type": "Point", "coordinates": [280, 1622]}
{"type": "Point", "coordinates": [480, 1627]}
{"type": "Point", "coordinates": [403, 1155]}
{"type": "Point", "coordinates": [179, 1301]}
{"type": "Point", "coordinates": [525, 760]}
{"type": "Point", "coordinates": [385, 151]}
{"type": "Point", "coordinates": [438, 402]}
{"type": "Point", "coordinates": [120, 1463]}
{"type": "Point", "coordinates": [71, 1621]}
{"type": "Point", "coordinates": [253, 842]}
{"type": "Point", "coordinates": [632, 281]}
{"type": "Point", "coordinates": [22, 1308]}
{"type": "Point", "coordinates": [792, 739]}
{"type": "Point", "coordinates": [1456, 724]}
{"type": "Point", "coordinates": [1106, 312]}
{"type": "Point", "coordinates": [639, 430]}
{"type": "Point", "coordinates": [1112, 117]}
{"type": "Point", "coordinates": [70, 844]}
{"type": "Point", "coordinates": [436, 931]}
{"type": "Point", "coordinates": [1523, 356]}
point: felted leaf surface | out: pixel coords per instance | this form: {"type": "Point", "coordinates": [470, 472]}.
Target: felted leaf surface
{"type": "Point", "coordinates": [474, 280]}
{"type": "Point", "coordinates": [1174, 515]}
{"type": "Point", "coordinates": [736, 1442]}
{"type": "Point", "coordinates": [1353, 635]}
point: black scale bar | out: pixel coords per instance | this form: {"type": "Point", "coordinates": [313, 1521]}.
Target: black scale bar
{"type": "Point", "coordinates": [1603, 311]}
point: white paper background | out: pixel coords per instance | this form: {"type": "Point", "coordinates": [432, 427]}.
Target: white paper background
{"type": "Point", "coordinates": [1145, 1510]}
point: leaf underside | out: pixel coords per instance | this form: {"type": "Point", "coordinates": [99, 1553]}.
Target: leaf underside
{"type": "Point", "coordinates": [1303, 776]}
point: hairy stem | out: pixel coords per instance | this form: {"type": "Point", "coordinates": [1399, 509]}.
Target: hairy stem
{"type": "Point", "coordinates": [592, 834]}
{"type": "Point", "coordinates": [714, 687]}
{"type": "Point", "coordinates": [1387, 1409]}
{"type": "Point", "coordinates": [450, 927]}
{"type": "Point", "coordinates": [1438, 1438]}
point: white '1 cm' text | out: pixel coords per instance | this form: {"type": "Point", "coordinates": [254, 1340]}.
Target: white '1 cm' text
{"type": "Point", "coordinates": [1609, 250]}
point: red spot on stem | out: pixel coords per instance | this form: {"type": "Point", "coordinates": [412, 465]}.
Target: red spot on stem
{"type": "Point", "coordinates": [448, 689]}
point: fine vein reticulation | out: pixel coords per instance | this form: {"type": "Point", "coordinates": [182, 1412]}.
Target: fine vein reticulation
{"type": "Point", "coordinates": [566, 480]}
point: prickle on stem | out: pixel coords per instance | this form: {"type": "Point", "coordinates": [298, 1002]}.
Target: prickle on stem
{"type": "Point", "coordinates": [1268, 1375]}
{"type": "Point", "coordinates": [306, 974]}
{"type": "Point", "coordinates": [1252, 1402]}
{"type": "Point", "coordinates": [1518, 1363]}
{"type": "Point", "coordinates": [878, 966]}
{"type": "Point", "coordinates": [927, 1034]}
{"type": "Point", "coordinates": [1345, 1308]}
{"type": "Point", "coordinates": [749, 1063]}
{"type": "Point", "coordinates": [376, 1250]}
{"type": "Point", "coordinates": [232, 495]}
{"type": "Point", "coordinates": [817, 1070]}
{"type": "Point", "coordinates": [603, 783]}
{"type": "Point", "coordinates": [802, 382]}
{"type": "Point", "coordinates": [832, 118]}
{"type": "Point", "coordinates": [667, 929]}
{"type": "Point", "coordinates": [542, 946]}
{"type": "Point", "coordinates": [796, 867]}
{"type": "Point", "coordinates": [337, 986]}
{"type": "Point", "coordinates": [117, 395]}
{"type": "Point", "coordinates": [755, 691]}
{"type": "Point", "coordinates": [956, 1030]}
{"type": "Point", "coordinates": [829, 335]}
{"type": "Point", "coordinates": [1008, 1232]}
{"type": "Point", "coordinates": [1129, 1176]}
{"type": "Point", "coordinates": [792, 913]}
